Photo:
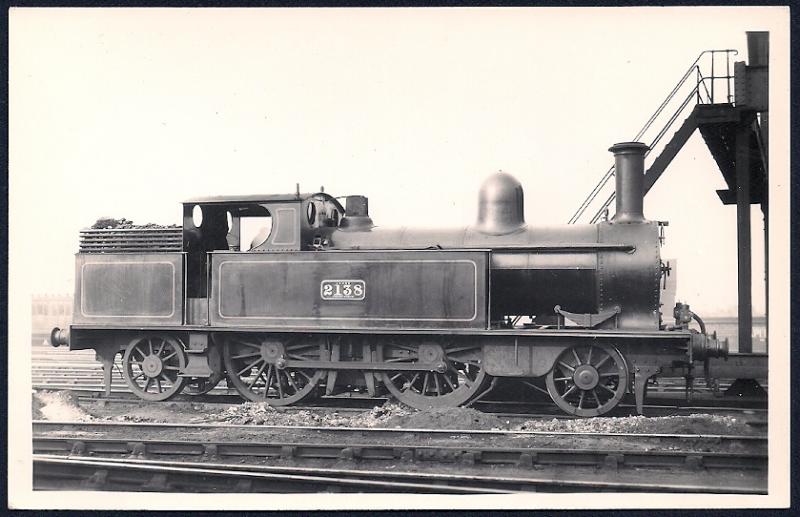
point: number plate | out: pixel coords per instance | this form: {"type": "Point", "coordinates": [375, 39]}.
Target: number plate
{"type": "Point", "coordinates": [343, 289]}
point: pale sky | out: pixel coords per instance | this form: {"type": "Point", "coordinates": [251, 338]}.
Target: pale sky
{"type": "Point", "coordinates": [125, 113]}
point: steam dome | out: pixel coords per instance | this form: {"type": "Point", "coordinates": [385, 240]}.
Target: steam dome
{"type": "Point", "coordinates": [501, 208]}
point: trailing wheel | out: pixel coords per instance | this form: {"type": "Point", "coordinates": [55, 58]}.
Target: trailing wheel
{"type": "Point", "coordinates": [588, 380]}
{"type": "Point", "coordinates": [257, 367]}
{"type": "Point", "coordinates": [455, 375]}
{"type": "Point", "coordinates": [151, 365]}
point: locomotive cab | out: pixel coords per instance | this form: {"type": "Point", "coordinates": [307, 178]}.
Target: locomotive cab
{"type": "Point", "coordinates": [251, 224]}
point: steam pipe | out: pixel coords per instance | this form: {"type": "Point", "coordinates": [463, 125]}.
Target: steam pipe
{"type": "Point", "coordinates": [699, 322]}
{"type": "Point", "coordinates": [629, 166]}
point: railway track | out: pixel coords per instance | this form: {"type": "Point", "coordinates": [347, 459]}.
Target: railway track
{"type": "Point", "coordinates": [58, 473]}
{"type": "Point", "coordinates": [456, 456]}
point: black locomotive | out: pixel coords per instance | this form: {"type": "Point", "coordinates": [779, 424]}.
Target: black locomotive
{"type": "Point", "coordinates": [322, 301]}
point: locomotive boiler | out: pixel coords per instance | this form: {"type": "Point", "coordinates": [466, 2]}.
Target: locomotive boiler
{"type": "Point", "coordinates": [323, 301]}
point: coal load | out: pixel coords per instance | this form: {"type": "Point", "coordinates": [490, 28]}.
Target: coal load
{"type": "Point", "coordinates": [109, 223]}
{"type": "Point", "coordinates": [109, 235]}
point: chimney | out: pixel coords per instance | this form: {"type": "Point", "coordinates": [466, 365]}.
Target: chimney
{"type": "Point", "coordinates": [629, 172]}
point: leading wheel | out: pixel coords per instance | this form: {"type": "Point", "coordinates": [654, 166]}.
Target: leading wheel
{"type": "Point", "coordinates": [151, 365]}
{"type": "Point", "coordinates": [588, 380]}
{"type": "Point", "coordinates": [456, 375]}
{"type": "Point", "coordinates": [257, 367]}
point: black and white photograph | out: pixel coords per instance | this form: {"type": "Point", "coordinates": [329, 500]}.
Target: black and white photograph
{"type": "Point", "coordinates": [398, 258]}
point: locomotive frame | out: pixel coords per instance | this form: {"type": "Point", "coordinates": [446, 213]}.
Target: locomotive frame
{"type": "Point", "coordinates": [435, 321]}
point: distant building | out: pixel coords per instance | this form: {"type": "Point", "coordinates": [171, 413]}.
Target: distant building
{"type": "Point", "coordinates": [728, 327]}
{"type": "Point", "coordinates": [48, 311]}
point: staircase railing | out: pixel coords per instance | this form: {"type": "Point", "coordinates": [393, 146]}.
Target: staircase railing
{"type": "Point", "coordinates": [702, 95]}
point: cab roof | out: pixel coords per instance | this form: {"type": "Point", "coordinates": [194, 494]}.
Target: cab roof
{"type": "Point", "coordinates": [254, 198]}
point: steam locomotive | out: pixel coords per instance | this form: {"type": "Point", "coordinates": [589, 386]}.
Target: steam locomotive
{"type": "Point", "coordinates": [323, 301]}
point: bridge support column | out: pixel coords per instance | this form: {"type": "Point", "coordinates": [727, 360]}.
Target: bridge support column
{"type": "Point", "coordinates": [743, 233]}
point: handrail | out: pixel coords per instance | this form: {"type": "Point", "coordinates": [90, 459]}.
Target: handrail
{"type": "Point", "coordinates": [700, 79]}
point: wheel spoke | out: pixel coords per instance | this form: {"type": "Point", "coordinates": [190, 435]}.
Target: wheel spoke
{"type": "Point", "coordinates": [147, 384]}
{"type": "Point", "coordinates": [302, 346]}
{"type": "Point", "coordinates": [252, 383]}
{"type": "Point", "coordinates": [449, 382]}
{"type": "Point", "coordinates": [570, 390]}
{"type": "Point", "coordinates": [242, 356]}
{"type": "Point", "coordinates": [158, 384]}
{"type": "Point", "coordinates": [589, 356]}
{"type": "Point", "coordinates": [304, 374]}
{"type": "Point", "coordinates": [436, 381]}
{"type": "Point", "coordinates": [173, 354]}
{"type": "Point", "coordinates": [140, 375]}
{"type": "Point", "coordinates": [291, 382]}
{"type": "Point", "coordinates": [414, 378]}
{"type": "Point", "coordinates": [161, 348]}
{"type": "Point", "coordinates": [139, 351]}
{"type": "Point", "coordinates": [577, 358]}
{"type": "Point", "coordinates": [609, 374]}
{"type": "Point", "coordinates": [580, 400]}
{"type": "Point", "coordinates": [563, 379]}
{"type": "Point", "coordinates": [150, 345]}
{"type": "Point", "coordinates": [602, 362]}
{"type": "Point", "coordinates": [594, 394]}
{"type": "Point", "coordinates": [565, 365]}
{"type": "Point", "coordinates": [608, 389]}
{"type": "Point", "coordinates": [278, 383]}
{"type": "Point", "coordinates": [174, 368]}
{"type": "Point", "coordinates": [248, 367]}
{"type": "Point", "coordinates": [425, 383]}
{"type": "Point", "coordinates": [267, 381]}
{"type": "Point", "coordinates": [246, 343]}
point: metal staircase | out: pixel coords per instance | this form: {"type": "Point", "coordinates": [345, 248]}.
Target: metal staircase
{"type": "Point", "coordinates": [712, 111]}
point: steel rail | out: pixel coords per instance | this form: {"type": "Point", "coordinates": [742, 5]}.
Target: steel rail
{"type": "Point", "coordinates": [94, 474]}
{"type": "Point", "coordinates": [40, 425]}
{"type": "Point", "coordinates": [436, 481]}
{"type": "Point", "coordinates": [438, 454]}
